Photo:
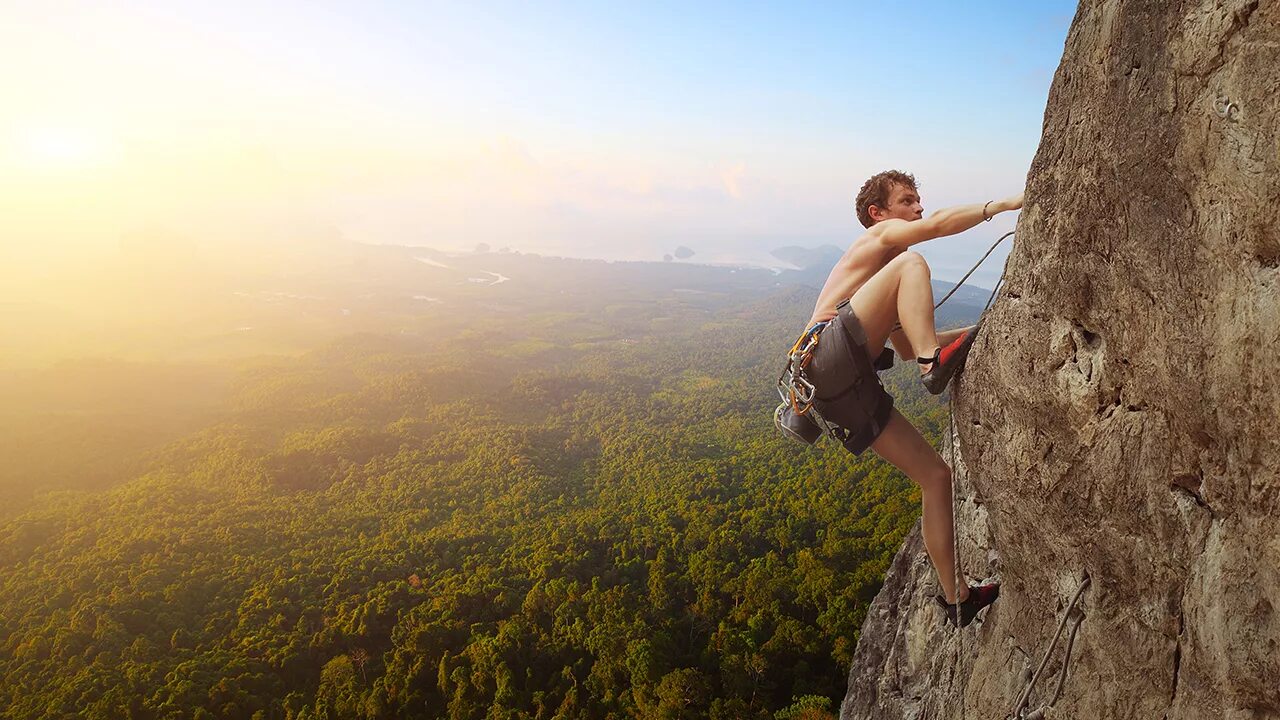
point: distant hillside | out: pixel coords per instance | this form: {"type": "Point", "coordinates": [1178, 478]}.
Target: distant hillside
{"type": "Point", "coordinates": [803, 258]}
{"type": "Point", "coordinates": [288, 307]}
{"type": "Point", "coordinates": [89, 423]}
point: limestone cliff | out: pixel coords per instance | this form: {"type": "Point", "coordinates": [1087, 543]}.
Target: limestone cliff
{"type": "Point", "coordinates": [1120, 417]}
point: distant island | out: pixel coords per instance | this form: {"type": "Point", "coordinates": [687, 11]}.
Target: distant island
{"type": "Point", "coordinates": [804, 258]}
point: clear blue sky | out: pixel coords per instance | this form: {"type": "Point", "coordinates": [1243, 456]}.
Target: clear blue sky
{"type": "Point", "coordinates": [751, 71]}
{"type": "Point", "coordinates": [601, 129]}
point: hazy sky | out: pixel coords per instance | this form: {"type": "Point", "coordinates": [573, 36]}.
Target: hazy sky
{"type": "Point", "coordinates": [603, 129]}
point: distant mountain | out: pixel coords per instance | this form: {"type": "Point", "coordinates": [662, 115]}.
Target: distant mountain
{"type": "Point", "coordinates": [966, 295]}
{"type": "Point", "coordinates": [804, 258]}
{"type": "Point", "coordinates": [963, 308]}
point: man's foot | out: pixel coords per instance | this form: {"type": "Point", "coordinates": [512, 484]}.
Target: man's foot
{"type": "Point", "coordinates": [947, 361]}
{"type": "Point", "coordinates": [979, 597]}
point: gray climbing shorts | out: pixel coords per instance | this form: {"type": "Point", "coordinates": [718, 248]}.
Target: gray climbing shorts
{"type": "Point", "coordinates": [848, 392]}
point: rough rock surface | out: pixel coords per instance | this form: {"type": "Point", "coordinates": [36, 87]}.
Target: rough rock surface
{"type": "Point", "coordinates": [1120, 414]}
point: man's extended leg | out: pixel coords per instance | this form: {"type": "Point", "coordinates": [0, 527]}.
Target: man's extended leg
{"type": "Point", "coordinates": [901, 444]}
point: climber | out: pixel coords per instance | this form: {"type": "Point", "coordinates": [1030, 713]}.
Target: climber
{"type": "Point", "coordinates": [877, 284]}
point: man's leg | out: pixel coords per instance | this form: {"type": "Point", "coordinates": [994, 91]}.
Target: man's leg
{"type": "Point", "coordinates": [899, 293]}
{"type": "Point", "coordinates": [902, 345]}
{"type": "Point", "coordinates": [901, 444]}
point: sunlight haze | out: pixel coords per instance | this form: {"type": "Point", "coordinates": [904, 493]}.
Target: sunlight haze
{"type": "Point", "coordinates": [237, 132]}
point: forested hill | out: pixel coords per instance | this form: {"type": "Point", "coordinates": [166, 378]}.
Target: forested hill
{"type": "Point", "coordinates": [571, 506]}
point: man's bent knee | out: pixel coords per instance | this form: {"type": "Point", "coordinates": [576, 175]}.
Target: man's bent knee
{"type": "Point", "coordinates": [912, 259]}
{"type": "Point", "coordinates": [906, 261]}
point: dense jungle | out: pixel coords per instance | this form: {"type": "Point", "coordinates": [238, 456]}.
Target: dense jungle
{"type": "Point", "coordinates": [484, 485]}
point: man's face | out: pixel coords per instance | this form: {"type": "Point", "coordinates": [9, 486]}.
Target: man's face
{"type": "Point", "coordinates": [904, 204]}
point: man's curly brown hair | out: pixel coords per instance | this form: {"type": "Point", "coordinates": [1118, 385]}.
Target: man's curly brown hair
{"type": "Point", "coordinates": [875, 191]}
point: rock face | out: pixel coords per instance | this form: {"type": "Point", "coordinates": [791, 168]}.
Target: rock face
{"type": "Point", "coordinates": [1119, 418]}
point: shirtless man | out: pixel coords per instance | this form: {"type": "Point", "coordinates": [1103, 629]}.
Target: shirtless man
{"type": "Point", "coordinates": [887, 284]}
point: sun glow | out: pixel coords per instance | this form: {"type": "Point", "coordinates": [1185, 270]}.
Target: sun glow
{"type": "Point", "coordinates": [61, 148]}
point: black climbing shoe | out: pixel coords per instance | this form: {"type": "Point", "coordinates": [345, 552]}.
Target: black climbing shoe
{"type": "Point", "coordinates": [947, 362]}
{"type": "Point", "coordinates": [979, 597]}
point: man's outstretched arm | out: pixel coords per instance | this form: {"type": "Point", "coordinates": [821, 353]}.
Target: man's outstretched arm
{"type": "Point", "coordinates": [947, 221]}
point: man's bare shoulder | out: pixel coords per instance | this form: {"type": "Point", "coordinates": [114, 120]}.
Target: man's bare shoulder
{"type": "Point", "coordinates": [870, 243]}
{"type": "Point", "coordinates": [885, 227]}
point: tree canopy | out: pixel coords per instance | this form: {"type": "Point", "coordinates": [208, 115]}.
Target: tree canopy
{"type": "Point", "coordinates": [548, 515]}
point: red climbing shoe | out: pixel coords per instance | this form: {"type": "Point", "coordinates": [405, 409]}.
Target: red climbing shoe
{"type": "Point", "coordinates": [979, 597]}
{"type": "Point", "coordinates": [947, 361]}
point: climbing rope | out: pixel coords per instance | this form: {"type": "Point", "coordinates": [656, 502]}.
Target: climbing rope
{"type": "Point", "coordinates": [999, 283]}
{"type": "Point", "coordinates": [974, 268]}
{"type": "Point", "coordinates": [1018, 712]}
{"type": "Point", "coordinates": [951, 418]}
{"type": "Point", "coordinates": [1038, 713]}
{"type": "Point", "coordinates": [955, 537]}
{"type": "Point", "coordinates": [951, 441]}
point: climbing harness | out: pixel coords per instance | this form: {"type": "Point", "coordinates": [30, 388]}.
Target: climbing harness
{"type": "Point", "coordinates": [798, 416]}
{"type": "Point", "coordinates": [1038, 714]}
{"type": "Point", "coordinates": [795, 416]}
{"type": "Point", "coordinates": [800, 391]}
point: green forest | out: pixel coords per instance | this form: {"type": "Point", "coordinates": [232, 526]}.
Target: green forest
{"type": "Point", "coordinates": [560, 512]}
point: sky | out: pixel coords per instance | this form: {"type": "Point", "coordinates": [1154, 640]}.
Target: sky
{"type": "Point", "coordinates": [611, 130]}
